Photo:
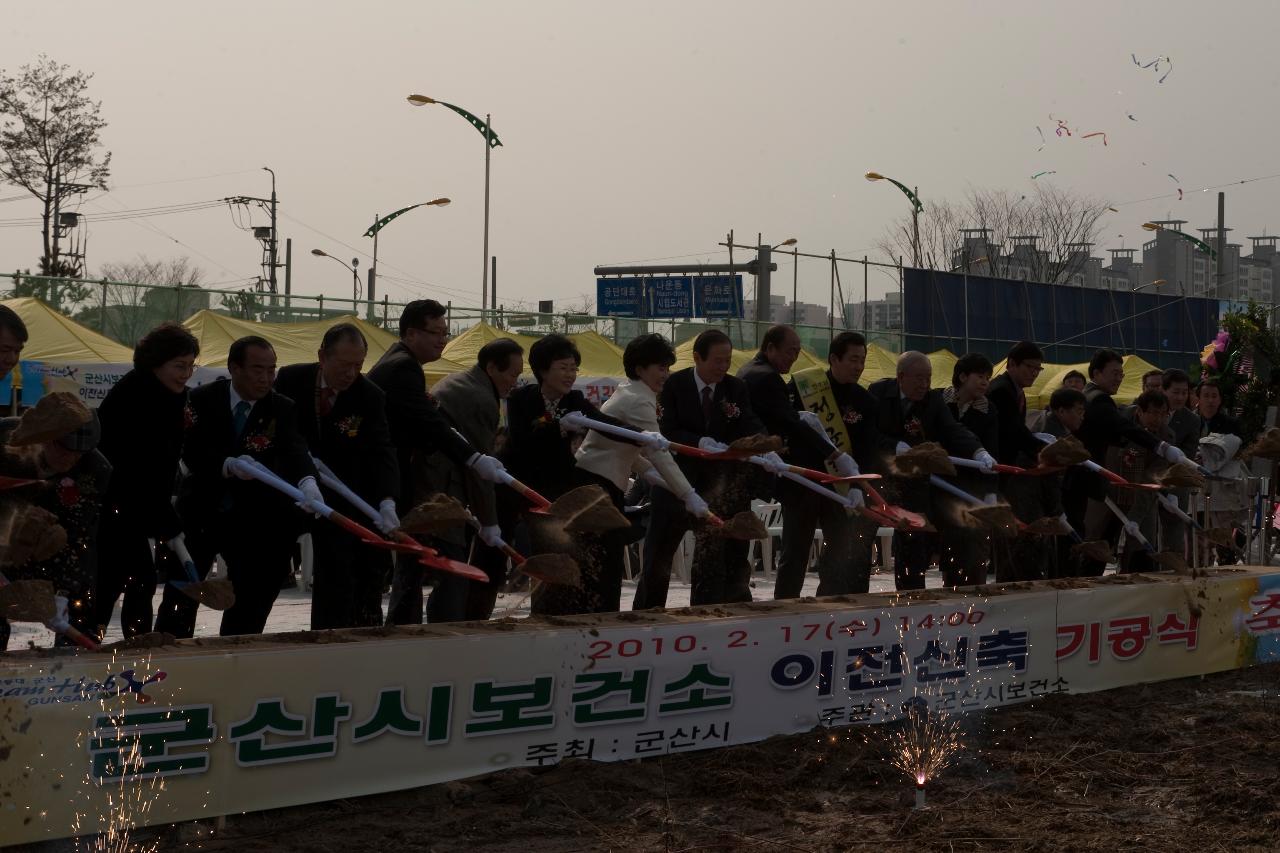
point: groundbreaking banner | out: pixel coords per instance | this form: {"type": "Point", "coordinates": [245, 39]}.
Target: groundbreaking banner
{"type": "Point", "coordinates": [261, 723]}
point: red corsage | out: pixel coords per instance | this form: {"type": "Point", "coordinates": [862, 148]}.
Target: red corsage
{"type": "Point", "coordinates": [349, 426]}
{"type": "Point", "coordinates": [68, 492]}
{"type": "Point", "coordinates": [188, 416]}
{"type": "Point", "coordinates": [729, 409]}
{"type": "Point", "coordinates": [913, 426]}
{"type": "Point", "coordinates": [257, 443]}
{"type": "Point", "coordinates": [851, 416]}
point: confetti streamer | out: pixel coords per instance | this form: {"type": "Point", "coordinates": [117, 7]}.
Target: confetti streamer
{"type": "Point", "coordinates": [1131, 118]}
{"type": "Point", "coordinates": [1038, 174]}
{"type": "Point", "coordinates": [1172, 175]}
{"type": "Point", "coordinates": [1041, 132]}
{"type": "Point", "coordinates": [1154, 65]}
{"type": "Point", "coordinates": [1096, 133]}
{"type": "Point", "coordinates": [1113, 210]}
{"type": "Point", "coordinates": [1179, 193]}
{"type": "Point", "coordinates": [1062, 126]}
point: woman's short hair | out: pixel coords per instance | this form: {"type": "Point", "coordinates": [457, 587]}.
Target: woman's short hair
{"type": "Point", "coordinates": [551, 348]}
{"type": "Point", "coordinates": [164, 342]}
{"type": "Point", "coordinates": [644, 351]}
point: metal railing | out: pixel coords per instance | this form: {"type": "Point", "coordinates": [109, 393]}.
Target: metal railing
{"type": "Point", "coordinates": [125, 311]}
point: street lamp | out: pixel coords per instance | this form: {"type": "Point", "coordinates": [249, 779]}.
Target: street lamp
{"type": "Point", "coordinates": [795, 275]}
{"type": "Point", "coordinates": [490, 142]}
{"type": "Point", "coordinates": [355, 276]}
{"type": "Point", "coordinates": [1195, 241]}
{"type": "Point", "coordinates": [914, 197]}
{"type": "Point", "coordinates": [378, 225]}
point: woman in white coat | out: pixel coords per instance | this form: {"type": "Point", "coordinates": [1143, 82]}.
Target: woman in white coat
{"type": "Point", "coordinates": [647, 362]}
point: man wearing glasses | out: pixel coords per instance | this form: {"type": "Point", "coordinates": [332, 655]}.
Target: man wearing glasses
{"type": "Point", "coordinates": [419, 427]}
{"type": "Point", "coordinates": [1031, 498]}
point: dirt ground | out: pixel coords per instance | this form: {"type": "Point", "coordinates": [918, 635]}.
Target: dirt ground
{"type": "Point", "coordinates": [1181, 765]}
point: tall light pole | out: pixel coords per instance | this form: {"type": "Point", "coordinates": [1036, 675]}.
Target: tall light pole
{"type": "Point", "coordinates": [355, 276]}
{"type": "Point", "coordinates": [795, 275]}
{"type": "Point", "coordinates": [914, 197]}
{"type": "Point", "coordinates": [490, 142]}
{"type": "Point", "coordinates": [379, 224]}
{"type": "Point", "coordinates": [275, 237]}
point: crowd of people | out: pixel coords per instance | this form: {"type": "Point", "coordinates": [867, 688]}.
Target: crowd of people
{"type": "Point", "coordinates": [156, 485]}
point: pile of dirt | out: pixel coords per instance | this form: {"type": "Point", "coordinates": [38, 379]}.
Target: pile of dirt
{"type": "Point", "coordinates": [1185, 765]}
{"type": "Point", "coordinates": [924, 459]}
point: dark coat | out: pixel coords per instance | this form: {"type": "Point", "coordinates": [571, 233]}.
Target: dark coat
{"type": "Point", "coordinates": [470, 402]}
{"type": "Point", "coordinates": [538, 452]}
{"type": "Point", "coordinates": [142, 430]}
{"type": "Point", "coordinates": [417, 426]}
{"type": "Point", "coordinates": [1220, 423]}
{"type": "Point", "coordinates": [776, 409]}
{"type": "Point", "coordinates": [985, 426]}
{"type": "Point", "coordinates": [1017, 446]}
{"type": "Point", "coordinates": [1104, 426]}
{"type": "Point", "coordinates": [209, 501]}
{"type": "Point", "coordinates": [927, 420]}
{"type": "Point", "coordinates": [860, 413]}
{"type": "Point", "coordinates": [1185, 426]}
{"type": "Point", "coordinates": [353, 439]}
{"type": "Point", "coordinates": [680, 417]}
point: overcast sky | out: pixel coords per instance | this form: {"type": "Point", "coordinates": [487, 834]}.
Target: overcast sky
{"type": "Point", "coordinates": [641, 131]}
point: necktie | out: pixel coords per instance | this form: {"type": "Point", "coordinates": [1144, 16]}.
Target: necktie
{"type": "Point", "coordinates": [240, 417]}
{"type": "Point", "coordinates": [706, 404]}
{"type": "Point", "coordinates": [327, 396]}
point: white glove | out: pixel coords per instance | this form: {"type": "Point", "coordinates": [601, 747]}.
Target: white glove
{"type": "Point", "coordinates": [710, 445]}
{"type": "Point", "coordinates": [902, 448]}
{"type": "Point", "coordinates": [813, 422]}
{"type": "Point", "coordinates": [694, 503]}
{"type": "Point", "coordinates": [1171, 453]}
{"type": "Point", "coordinates": [845, 465]}
{"type": "Point", "coordinates": [1063, 519]}
{"type": "Point", "coordinates": [228, 470]}
{"type": "Point", "coordinates": [61, 620]}
{"type": "Point", "coordinates": [312, 499]}
{"type": "Point", "coordinates": [652, 440]}
{"type": "Point", "coordinates": [773, 463]}
{"type": "Point", "coordinates": [856, 498]}
{"type": "Point", "coordinates": [491, 535]}
{"type": "Point", "coordinates": [389, 521]}
{"type": "Point", "coordinates": [653, 477]}
{"type": "Point", "coordinates": [986, 460]}
{"type": "Point", "coordinates": [487, 468]}
{"type": "Point", "coordinates": [574, 422]}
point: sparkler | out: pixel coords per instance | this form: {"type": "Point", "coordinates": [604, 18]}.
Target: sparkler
{"type": "Point", "coordinates": [923, 746]}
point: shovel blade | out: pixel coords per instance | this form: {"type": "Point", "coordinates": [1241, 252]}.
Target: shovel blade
{"type": "Point", "coordinates": [553, 568]}
{"type": "Point", "coordinates": [587, 509]}
{"type": "Point", "coordinates": [214, 594]}
{"type": "Point", "coordinates": [27, 601]}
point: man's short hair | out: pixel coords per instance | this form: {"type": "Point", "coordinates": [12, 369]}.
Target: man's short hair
{"type": "Point", "coordinates": [548, 349]}
{"type": "Point", "coordinates": [644, 351]}
{"type": "Point", "coordinates": [342, 332]}
{"type": "Point", "coordinates": [776, 336]}
{"type": "Point", "coordinates": [1149, 400]}
{"type": "Point", "coordinates": [970, 362]}
{"type": "Point", "coordinates": [163, 343]}
{"type": "Point", "coordinates": [911, 358]}
{"type": "Point", "coordinates": [10, 320]}
{"type": "Point", "coordinates": [1065, 398]}
{"type": "Point", "coordinates": [703, 343]}
{"type": "Point", "coordinates": [1208, 382]}
{"type": "Point", "coordinates": [498, 352]}
{"type": "Point", "coordinates": [1024, 351]}
{"type": "Point", "coordinates": [841, 343]}
{"type": "Point", "coordinates": [416, 314]}
{"type": "Point", "coordinates": [1101, 359]}
{"type": "Point", "coordinates": [1172, 377]}
{"type": "Point", "coordinates": [1150, 373]}
{"type": "Point", "coordinates": [1073, 374]}
{"type": "Point", "coordinates": [240, 349]}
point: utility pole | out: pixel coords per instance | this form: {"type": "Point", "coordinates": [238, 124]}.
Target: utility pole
{"type": "Point", "coordinates": [493, 284]}
{"type": "Point", "coordinates": [275, 235]}
{"type": "Point", "coordinates": [288, 277]}
{"type": "Point", "coordinates": [373, 269]}
{"type": "Point", "coordinates": [269, 236]}
{"type": "Point", "coordinates": [915, 227]}
{"type": "Point", "coordinates": [1222, 243]}
{"type": "Point", "coordinates": [484, 265]}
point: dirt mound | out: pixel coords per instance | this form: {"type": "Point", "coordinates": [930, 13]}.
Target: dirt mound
{"type": "Point", "coordinates": [924, 459]}
{"type": "Point", "coordinates": [53, 417]}
{"type": "Point", "coordinates": [1181, 476]}
{"type": "Point", "coordinates": [1065, 451]}
{"type": "Point", "coordinates": [743, 525]}
{"type": "Point", "coordinates": [437, 514]}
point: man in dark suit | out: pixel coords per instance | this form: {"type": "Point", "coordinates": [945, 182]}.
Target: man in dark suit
{"type": "Point", "coordinates": [847, 415]}
{"type": "Point", "coordinates": [701, 406]}
{"type": "Point", "coordinates": [911, 412]}
{"type": "Point", "coordinates": [472, 401]}
{"type": "Point", "coordinates": [1104, 427]}
{"type": "Point", "coordinates": [250, 524]}
{"type": "Point", "coordinates": [1031, 498]}
{"type": "Point", "coordinates": [418, 427]}
{"type": "Point", "coordinates": [342, 415]}
{"type": "Point", "coordinates": [779, 349]}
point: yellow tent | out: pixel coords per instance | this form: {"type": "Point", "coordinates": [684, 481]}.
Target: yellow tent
{"type": "Point", "coordinates": [600, 356]}
{"type": "Point", "coordinates": [294, 343]}
{"type": "Point", "coordinates": [944, 364]}
{"type": "Point", "coordinates": [1050, 380]}
{"type": "Point", "coordinates": [55, 337]}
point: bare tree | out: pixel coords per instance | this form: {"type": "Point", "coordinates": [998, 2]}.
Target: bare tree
{"type": "Point", "coordinates": [141, 293]}
{"type": "Point", "coordinates": [49, 141]}
{"type": "Point", "coordinates": [1061, 221]}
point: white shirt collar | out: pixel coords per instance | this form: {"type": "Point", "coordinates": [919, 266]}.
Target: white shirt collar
{"type": "Point", "coordinates": [697, 380]}
{"type": "Point", "coordinates": [236, 399]}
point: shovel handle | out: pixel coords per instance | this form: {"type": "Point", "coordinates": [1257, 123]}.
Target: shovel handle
{"type": "Point", "coordinates": [540, 503]}
{"type": "Point", "coordinates": [1124, 519]}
